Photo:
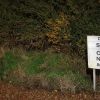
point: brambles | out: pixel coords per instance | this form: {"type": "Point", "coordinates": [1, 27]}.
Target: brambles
{"type": "Point", "coordinates": [40, 24]}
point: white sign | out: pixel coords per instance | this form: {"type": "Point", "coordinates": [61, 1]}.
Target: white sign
{"type": "Point", "coordinates": [93, 46]}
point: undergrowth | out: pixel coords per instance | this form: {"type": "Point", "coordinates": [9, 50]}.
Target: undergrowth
{"type": "Point", "coordinates": [44, 67]}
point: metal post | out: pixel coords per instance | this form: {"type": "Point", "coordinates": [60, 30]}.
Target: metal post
{"type": "Point", "coordinates": [94, 80]}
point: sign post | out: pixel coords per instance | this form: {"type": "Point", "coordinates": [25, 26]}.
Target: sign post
{"type": "Point", "coordinates": [94, 79]}
{"type": "Point", "coordinates": [93, 45]}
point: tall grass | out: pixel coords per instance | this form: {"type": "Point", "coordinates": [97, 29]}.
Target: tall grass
{"type": "Point", "coordinates": [8, 63]}
{"type": "Point", "coordinates": [45, 67]}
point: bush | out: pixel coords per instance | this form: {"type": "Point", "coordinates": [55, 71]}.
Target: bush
{"type": "Point", "coordinates": [84, 23]}
{"type": "Point", "coordinates": [39, 24]}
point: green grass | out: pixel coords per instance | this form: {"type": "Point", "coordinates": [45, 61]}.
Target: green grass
{"type": "Point", "coordinates": [33, 63]}
{"type": "Point", "coordinates": [9, 62]}
{"type": "Point", "coordinates": [51, 65]}
{"type": "Point", "coordinates": [79, 79]}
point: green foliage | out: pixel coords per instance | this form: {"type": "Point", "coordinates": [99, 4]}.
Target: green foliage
{"type": "Point", "coordinates": [39, 24]}
{"type": "Point", "coordinates": [8, 63]}
{"type": "Point", "coordinates": [84, 23]}
{"type": "Point", "coordinates": [53, 60]}
{"type": "Point", "coordinates": [33, 63]}
{"type": "Point", "coordinates": [79, 80]}
{"type": "Point", "coordinates": [51, 65]}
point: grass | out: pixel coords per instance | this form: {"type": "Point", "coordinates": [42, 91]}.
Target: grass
{"type": "Point", "coordinates": [9, 62]}
{"type": "Point", "coordinates": [33, 63]}
{"type": "Point", "coordinates": [50, 65]}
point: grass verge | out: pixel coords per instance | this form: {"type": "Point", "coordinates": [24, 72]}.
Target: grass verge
{"type": "Point", "coordinates": [45, 69]}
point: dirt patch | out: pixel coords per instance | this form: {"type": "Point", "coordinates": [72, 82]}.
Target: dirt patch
{"type": "Point", "coordinates": [10, 92]}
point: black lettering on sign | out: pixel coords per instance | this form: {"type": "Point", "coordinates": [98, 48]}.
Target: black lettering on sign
{"type": "Point", "coordinates": [97, 44]}
{"type": "Point", "coordinates": [98, 64]}
{"type": "Point", "coordinates": [98, 52]}
{"type": "Point", "coordinates": [98, 58]}
{"type": "Point", "coordinates": [98, 38]}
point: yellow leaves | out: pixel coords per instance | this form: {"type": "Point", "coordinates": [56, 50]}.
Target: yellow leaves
{"type": "Point", "coordinates": [56, 26]}
{"type": "Point", "coordinates": [52, 37]}
{"type": "Point", "coordinates": [61, 21]}
{"type": "Point", "coordinates": [65, 37]}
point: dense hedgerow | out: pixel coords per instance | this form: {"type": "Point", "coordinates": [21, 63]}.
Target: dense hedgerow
{"type": "Point", "coordinates": [39, 24]}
